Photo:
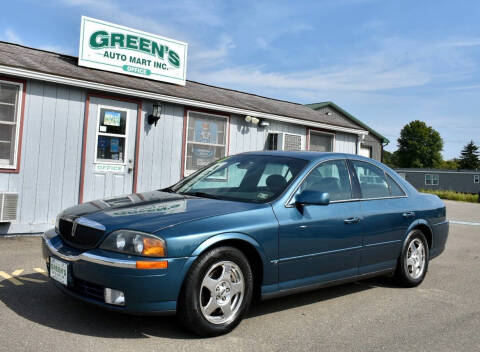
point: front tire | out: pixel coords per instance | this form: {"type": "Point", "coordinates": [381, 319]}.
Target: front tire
{"type": "Point", "coordinates": [413, 262]}
{"type": "Point", "coordinates": [217, 292]}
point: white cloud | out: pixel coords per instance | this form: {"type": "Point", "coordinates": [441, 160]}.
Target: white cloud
{"type": "Point", "coordinates": [464, 42]}
{"type": "Point", "coordinates": [11, 36]}
{"type": "Point", "coordinates": [470, 87]}
{"type": "Point", "coordinates": [108, 10]}
{"type": "Point", "coordinates": [132, 15]}
{"type": "Point", "coordinates": [199, 56]}
{"type": "Point", "coordinates": [58, 49]}
{"type": "Point", "coordinates": [397, 64]}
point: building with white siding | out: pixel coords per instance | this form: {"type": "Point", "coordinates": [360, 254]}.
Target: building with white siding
{"type": "Point", "coordinates": [70, 134]}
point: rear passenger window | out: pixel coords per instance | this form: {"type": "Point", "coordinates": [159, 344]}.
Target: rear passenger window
{"type": "Point", "coordinates": [373, 183]}
{"type": "Point", "coordinates": [331, 177]}
{"type": "Point", "coordinates": [395, 190]}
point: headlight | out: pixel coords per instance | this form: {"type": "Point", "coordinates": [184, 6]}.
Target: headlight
{"type": "Point", "coordinates": [135, 243]}
{"type": "Point", "coordinates": [57, 221]}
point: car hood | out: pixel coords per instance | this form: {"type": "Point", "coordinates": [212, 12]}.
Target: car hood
{"type": "Point", "coordinates": [152, 211]}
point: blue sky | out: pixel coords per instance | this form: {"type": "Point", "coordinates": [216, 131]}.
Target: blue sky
{"type": "Point", "coordinates": [386, 62]}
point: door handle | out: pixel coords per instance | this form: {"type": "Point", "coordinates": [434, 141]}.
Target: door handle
{"type": "Point", "coordinates": [408, 214]}
{"type": "Point", "coordinates": [353, 220]}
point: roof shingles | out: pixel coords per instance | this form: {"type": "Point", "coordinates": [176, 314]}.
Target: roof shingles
{"type": "Point", "coordinates": [18, 56]}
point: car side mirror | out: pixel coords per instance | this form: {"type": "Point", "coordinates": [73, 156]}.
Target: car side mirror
{"type": "Point", "coordinates": [312, 198]}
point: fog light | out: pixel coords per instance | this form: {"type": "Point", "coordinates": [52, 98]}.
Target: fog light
{"type": "Point", "coordinates": [114, 297]}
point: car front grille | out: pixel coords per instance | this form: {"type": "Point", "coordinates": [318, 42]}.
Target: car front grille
{"type": "Point", "coordinates": [65, 226]}
{"type": "Point", "coordinates": [83, 237]}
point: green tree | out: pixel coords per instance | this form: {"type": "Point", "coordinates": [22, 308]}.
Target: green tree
{"type": "Point", "coordinates": [419, 146]}
{"type": "Point", "coordinates": [469, 157]}
{"type": "Point", "coordinates": [451, 164]}
{"type": "Point", "coordinates": [390, 159]}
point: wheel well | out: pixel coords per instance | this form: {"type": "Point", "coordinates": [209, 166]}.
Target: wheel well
{"type": "Point", "coordinates": [427, 232]}
{"type": "Point", "coordinates": [253, 258]}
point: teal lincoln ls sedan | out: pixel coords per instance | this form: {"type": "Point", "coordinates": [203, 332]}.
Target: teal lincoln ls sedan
{"type": "Point", "coordinates": [253, 225]}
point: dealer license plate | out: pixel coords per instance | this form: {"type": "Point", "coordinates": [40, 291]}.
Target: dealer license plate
{"type": "Point", "coordinates": [59, 271]}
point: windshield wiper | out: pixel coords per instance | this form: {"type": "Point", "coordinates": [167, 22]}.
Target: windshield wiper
{"type": "Point", "coordinates": [201, 194]}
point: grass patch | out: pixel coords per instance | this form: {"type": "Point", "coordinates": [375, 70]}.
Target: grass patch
{"type": "Point", "coordinates": [451, 195]}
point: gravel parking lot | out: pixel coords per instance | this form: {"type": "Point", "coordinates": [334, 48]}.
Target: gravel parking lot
{"type": "Point", "coordinates": [443, 314]}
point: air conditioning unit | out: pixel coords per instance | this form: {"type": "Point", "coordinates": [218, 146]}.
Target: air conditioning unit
{"type": "Point", "coordinates": [284, 141]}
{"type": "Point", "coordinates": [292, 142]}
{"type": "Point", "coordinates": [8, 207]}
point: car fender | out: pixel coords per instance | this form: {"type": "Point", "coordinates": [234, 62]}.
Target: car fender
{"type": "Point", "coordinates": [413, 225]}
{"type": "Point", "coordinates": [211, 241]}
{"type": "Point", "coordinates": [229, 236]}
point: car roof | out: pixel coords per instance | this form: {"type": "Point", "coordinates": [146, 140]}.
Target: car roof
{"type": "Point", "coordinates": [308, 155]}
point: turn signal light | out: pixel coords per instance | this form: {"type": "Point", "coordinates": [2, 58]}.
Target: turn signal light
{"type": "Point", "coordinates": [143, 264]}
{"type": "Point", "coordinates": [153, 247]}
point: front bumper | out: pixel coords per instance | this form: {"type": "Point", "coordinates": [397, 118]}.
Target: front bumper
{"type": "Point", "coordinates": [147, 291]}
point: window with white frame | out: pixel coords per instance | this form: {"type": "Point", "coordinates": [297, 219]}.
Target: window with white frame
{"type": "Point", "coordinates": [476, 178]}
{"type": "Point", "coordinates": [10, 106]}
{"type": "Point", "coordinates": [206, 140]}
{"type": "Point", "coordinates": [365, 150]}
{"type": "Point", "coordinates": [321, 141]}
{"type": "Point", "coordinates": [432, 179]}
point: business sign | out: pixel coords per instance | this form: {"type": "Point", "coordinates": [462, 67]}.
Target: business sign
{"type": "Point", "coordinates": [109, 168]}
{"type": "Point", "coordinates": [120, 49]}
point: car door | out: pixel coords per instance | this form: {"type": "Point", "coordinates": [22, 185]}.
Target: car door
{"type": "Point", "coordinates": [319, 243]}
{"type": "Point", "coordinates": [386, 216]}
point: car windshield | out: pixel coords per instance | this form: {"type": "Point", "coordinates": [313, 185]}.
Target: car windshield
{"type": "Point", "coordinates": [245, 177]}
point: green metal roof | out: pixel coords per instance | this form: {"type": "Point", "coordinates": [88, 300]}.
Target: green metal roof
{"type": "Point", "coordinates": [316, 106]}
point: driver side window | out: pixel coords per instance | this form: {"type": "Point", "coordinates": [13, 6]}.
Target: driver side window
{"type": "Point", "coordinates": [332, 177]}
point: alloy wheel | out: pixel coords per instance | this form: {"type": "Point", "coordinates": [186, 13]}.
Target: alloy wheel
{"type": "Point", "coordinates": [415, 259]}
{"type": "Point", "coordinates": [221, 292]}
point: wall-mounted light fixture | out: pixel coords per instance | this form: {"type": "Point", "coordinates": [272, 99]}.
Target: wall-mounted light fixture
{"type": "Point", "coordinates": [252, 119]}
{"type": "Point", "coordinates": [155, 115]}
{"type": "Point", "coordinates": [328, 113]}
{"type": "Point", "coordinates": [264, 123]}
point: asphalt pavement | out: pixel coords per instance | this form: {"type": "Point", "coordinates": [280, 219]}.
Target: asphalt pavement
{"type": "Point", "coordinates": [442, 314]}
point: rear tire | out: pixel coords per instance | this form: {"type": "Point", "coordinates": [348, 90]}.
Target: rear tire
{"type": "Point", "coordinates": [216, 293]}
{"type": "Point", "coordinates": [413, 262]}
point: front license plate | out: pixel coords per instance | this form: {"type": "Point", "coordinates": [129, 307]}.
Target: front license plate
{"type": "Point", "coordinates": [59, 271]}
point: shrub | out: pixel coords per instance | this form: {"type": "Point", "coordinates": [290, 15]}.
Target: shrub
{"type": "Point", "coordinates": [451, 195]}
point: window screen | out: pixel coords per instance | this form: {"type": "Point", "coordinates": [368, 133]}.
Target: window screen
{"type": "Point", "coordinates": [206, 140]}
{"type": "Point", "coordinates": [320, 142]}
{"type": "Point", "coordinates": [331, 177]}
{"type": "Point", "coordinates": [395, 189]}
{"type": "Point", "coordinates": [9, 96]}
{"type": "Point", "coordinates": [373, 183]}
